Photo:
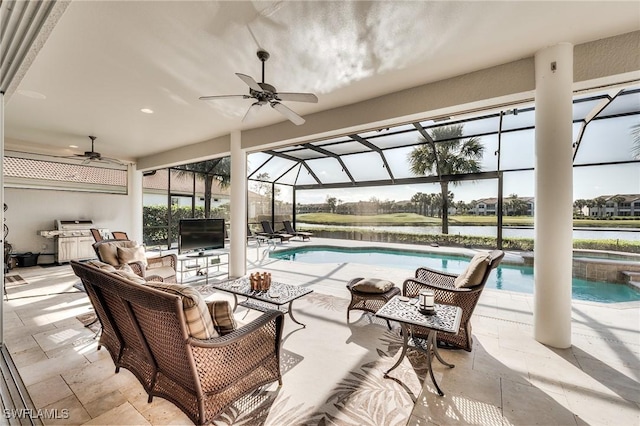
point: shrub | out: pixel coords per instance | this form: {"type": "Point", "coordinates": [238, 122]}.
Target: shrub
{"type": "Point", "coordinates": [518, 244]}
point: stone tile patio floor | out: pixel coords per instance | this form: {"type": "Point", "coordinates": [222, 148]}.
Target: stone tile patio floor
{"type": "Point", "coordinates": [508, 378]}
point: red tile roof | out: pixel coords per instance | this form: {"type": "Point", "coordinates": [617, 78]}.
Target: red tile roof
{"type": "Point", "coordinates": [179, 183]}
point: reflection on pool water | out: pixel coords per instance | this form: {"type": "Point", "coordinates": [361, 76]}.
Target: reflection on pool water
{"type": "Point", "coordinates": [506, 277]}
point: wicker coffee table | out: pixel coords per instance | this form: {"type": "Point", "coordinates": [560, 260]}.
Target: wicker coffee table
{"type": "Point", "coordinates": [280, 296]}
{"type": "Point", "coordinates": [446, 319]}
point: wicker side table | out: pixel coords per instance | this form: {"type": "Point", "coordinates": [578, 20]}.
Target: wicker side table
{"type": "Point", "coordinates": [369, 302]}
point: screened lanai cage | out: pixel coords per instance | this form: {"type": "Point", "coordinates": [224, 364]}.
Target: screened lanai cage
{"type": "Point", "coordinates": [485, 160]}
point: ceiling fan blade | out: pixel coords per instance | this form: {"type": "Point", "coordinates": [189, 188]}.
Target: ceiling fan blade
{"type": "Point", "coordinates": [298, 97]}
{"type": "Point", "coordinates": [111, 161]}
{"type": "Point", "coordinates": [292, 116]}
{"type": "Point", "coordinates": [251, 112]}
{"type": "Point", "coordinates": [212, 98]}
{"type": "Point", "coordinates": [250, 82]}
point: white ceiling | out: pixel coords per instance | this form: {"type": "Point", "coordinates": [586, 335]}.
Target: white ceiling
{"type": "Point", "coordinates": [105, 60]}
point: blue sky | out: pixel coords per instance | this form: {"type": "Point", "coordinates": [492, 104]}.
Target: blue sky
{"type": "Point", "coordinates": [588, 183]}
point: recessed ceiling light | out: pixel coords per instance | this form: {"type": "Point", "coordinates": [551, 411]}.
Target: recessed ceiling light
{"type": "Point", "coordinates": [147, 110]}
{"type": "Point", "coordinates": [31, 94]}
{"type": "Point", "coordinates": [73, 146]}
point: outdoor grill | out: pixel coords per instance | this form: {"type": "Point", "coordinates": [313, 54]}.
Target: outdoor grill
{"type": "Point", "coordinates": [73, 239]}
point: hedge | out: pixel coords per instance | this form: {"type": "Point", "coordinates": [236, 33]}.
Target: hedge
{"type": "Point", "coordinates": [155, 219]}
{"type": "Point", "coordinates": [520, 244]}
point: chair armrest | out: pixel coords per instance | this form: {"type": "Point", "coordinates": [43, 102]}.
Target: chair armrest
{"type": "Point", "coordinates": [138, 268]}
{"type": "Point", "coordinates": [155, 278]}
{"type": "Point", "coordinates": [432, 275]}
{"type": "Point", "coordinates": [170, 260]}
{"type": "Point", "coordinates": [444, 292]}
{"type": "Point", "coordinates": [225, 360]}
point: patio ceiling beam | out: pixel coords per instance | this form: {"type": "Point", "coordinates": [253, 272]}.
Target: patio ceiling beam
{"type": "Point", "coordinates": [331, 154]}
{"type": "Point", "coordinates": [372, 147]}
{"type": "Point", "coordinates": [431, 142]}
{"type": "Point", "coordinates": [404, 181]}
{"type": "Point", "coordinates": [297, 160]}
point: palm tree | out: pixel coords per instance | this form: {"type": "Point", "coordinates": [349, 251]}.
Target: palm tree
{"type": "Point", "coordinates": [332, 202]}
{"type": "Point", "coordinates": [579, 205]}
{"type": "Point", "coordinates": [416, 200]}
{"type": "Point", "coordinates": [218, 169]}
{"type": "Point", "coordinates": [515, 205]}
{"type": "Point", "coordinates": [449, 154]}
{"type": "Point", "coordinates": [600, 202]}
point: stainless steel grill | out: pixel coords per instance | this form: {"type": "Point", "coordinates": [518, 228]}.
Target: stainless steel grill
{"type": "Point", "coordinates": [73, 239]}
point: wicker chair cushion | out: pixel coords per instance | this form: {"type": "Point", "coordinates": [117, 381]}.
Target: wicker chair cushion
{"type": "Point", "coordinates": [195, 309]}
{"type": "Point", "coordinates": [373, 285]}
{"type": "Point", "coordinates": [101, 265]}
{"type": "Point", "coordinates": [222, 316]}
{"type": "Point", "coordinates": [131, 254]}
{"type": "Point", "coordinates": [163, 271]}
{"type": "Point", "coordinates": [109, 250]}
{"type": "Point", "coordinates": [472, 276]}
{"type": "Point", "coordinates": [130, 275]}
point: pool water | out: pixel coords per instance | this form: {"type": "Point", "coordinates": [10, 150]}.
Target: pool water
{"type": "Point", "coordinates": [506, 277]}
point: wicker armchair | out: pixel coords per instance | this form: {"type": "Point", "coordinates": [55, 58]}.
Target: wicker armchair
{"type": "Point", "coordinates": [160, 268]}
{"type": "Point", "coordinates": [446, 293]}
{"type": "Point", "coordinates": [145, 331]}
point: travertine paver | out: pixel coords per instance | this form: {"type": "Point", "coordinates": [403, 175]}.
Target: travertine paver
{"type": "Point", "coordinates": [508, 378]}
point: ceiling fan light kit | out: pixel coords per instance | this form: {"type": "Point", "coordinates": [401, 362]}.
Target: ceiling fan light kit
{"type": "Point", "coordinates": [265, 93]}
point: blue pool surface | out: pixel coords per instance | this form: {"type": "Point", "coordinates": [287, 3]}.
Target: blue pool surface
{"type": "Point", "coordinates": [506, 277]}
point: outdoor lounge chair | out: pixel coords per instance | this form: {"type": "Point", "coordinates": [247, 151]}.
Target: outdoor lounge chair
{"type": "Point", "coordinates": [459, 290]}
{"type": "Point", "coordinates": [162, 268]}
{"type": "Point", "coordinates": [97, 236]}
{"type": "Point", "coordinates": [119, 235]}
{"type": "Point", "coordinates": [288, 228]}
{"type": "Point", "coordinates": [270, 233]}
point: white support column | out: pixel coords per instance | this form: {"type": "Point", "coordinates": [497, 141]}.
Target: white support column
{"type": "Point", "coordinates": [134, 181]}
{"type": "Point", "coordinates": [554, 196]}
{"type": "Point", "coordinates": [238, 251]}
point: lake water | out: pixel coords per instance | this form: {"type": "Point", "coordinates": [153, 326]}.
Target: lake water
{"type": "Point", "coordinates": [491, 231]}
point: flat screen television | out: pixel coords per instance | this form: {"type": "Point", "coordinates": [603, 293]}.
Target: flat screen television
{"type": "Point", "coordinates": [200, 235]}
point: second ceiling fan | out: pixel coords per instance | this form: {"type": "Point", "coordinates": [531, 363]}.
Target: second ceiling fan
{"type": "Point", "coordinates": [264, 93]}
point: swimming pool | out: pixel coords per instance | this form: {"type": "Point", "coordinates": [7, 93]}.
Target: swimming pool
{"type": "Point", "coordinates": [506, 277]}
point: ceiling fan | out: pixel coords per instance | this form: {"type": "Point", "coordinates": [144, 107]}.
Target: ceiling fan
{"type": "Point", "coordinates": [92, 155]}
{"type": "Point", "coordinates": [265, 93]}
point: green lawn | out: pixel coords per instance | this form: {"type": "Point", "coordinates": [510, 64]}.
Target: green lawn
{"type": "Point", "coordinates": [399, 219]}
{"type": "Point", "coordinates": [412, 219]}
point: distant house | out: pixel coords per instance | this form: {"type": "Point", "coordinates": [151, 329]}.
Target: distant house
{"type": "Point", "coordinates": [615, 205]}
{"type": "Point", "coordinates": [489, 207]}
{"type": "Point", "coordinates": [485, 207]}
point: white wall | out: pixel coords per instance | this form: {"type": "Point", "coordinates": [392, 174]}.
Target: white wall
{"type": "Point", "coordinates": [33, 210]}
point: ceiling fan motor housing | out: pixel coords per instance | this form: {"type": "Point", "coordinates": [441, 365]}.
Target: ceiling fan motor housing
{"type": "Point", "coordinates": [263, 55]}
